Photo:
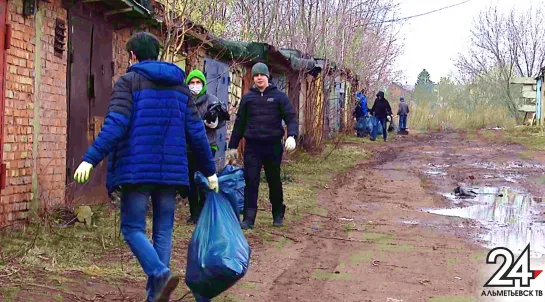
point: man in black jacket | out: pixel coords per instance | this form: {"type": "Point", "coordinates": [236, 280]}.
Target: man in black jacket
{"type": "Point", "coordinates": [381, 110]}
{"type": "Point", "coordinates": [259, 121]}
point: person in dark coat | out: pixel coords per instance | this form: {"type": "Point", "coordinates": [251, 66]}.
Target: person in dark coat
{"type": "Point", "coordinates": [214, 114]}
{"type": "Point", "coordinates": [381, 110]}
{"type": "Point", "coordinates": [259, 121]}
{"type": "Point", "coordinates": [151, 118]}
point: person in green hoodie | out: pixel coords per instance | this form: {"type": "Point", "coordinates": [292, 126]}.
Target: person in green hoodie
{"type": "Point", "coordinates": [214, 114]}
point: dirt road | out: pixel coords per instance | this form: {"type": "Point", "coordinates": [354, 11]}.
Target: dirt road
{"type": "Point", "coordinates": [388, 231]}
{"type": "Point", "coordinates": [379, 243]}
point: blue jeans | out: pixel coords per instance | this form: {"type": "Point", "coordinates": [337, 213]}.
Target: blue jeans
{"type": "Point", "coordinates": [154, 259]}
{"type": "Point", "coordinates": [381, 123]}
{"type": "Point", "coordinates": [402, 122]}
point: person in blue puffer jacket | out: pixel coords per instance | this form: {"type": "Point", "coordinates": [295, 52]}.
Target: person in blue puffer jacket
{"type": "Point", "coordinates": [151, 118]}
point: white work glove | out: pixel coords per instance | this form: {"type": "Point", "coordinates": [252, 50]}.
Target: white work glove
{"type": "Point", "coordinates": [290, 144]}
{"type": "Point", "coordinates": [211, 125]}
{"type": "Point", "coordinates": [83, 172]}
{"type": "Point", "coordinates": [213, 183]}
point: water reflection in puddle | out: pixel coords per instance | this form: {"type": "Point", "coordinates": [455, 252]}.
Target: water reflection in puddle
{"type": "Point", "coordinates": [506, 165]}
{"type": "Point", "coordinates": [511, 219]}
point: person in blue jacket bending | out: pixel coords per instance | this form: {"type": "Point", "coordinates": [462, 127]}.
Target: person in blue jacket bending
{"type": "Point", "coordinates": [360, 114]}
{"type": "Point", "coordinates": [151, 117]}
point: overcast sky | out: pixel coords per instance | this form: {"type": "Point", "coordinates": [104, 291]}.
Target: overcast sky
{"type": "Point", "coordinates": [432, 41]}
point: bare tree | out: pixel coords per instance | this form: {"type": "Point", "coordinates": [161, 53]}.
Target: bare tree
{"type": "Point", "coordinates": [504, 46]}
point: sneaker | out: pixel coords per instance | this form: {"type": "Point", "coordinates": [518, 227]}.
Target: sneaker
{"type": "Point", "coordinates": [247, 225]}
{"type": "Point", "coordinates": [248, 219]}
{"type": "Point", "coordinates": [166, 284]}
{"type": "Point", "coordinates": [278, 221]}
{"type": "Point", "coordinates": [278, 216]}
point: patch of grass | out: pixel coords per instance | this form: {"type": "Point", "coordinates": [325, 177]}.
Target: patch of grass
{"type": "Point", "coordinates": [99, 250]}
{"type": "Point", "coordinates": [282, 242]}
{"type": "Point", "coordinates": [451, 262]}
{"type": "Point", "coordinates": [426, 118]}
{"type": "Point", "coordinates": [227, 298]}
{"type": "Point", "coordinates": [352, 139]}
{"type": "Point", "coordinates": [452, 299]}
{"type": "Point", "coordinates": [378, 237]}
{"type": "Point", "coordinates": [527, 155]}
{"type": "Point", "coordinates": [349, 226]}
{"type": "Point", "coordinates": [540, 180]}
{"type": "Point", "coordinates": [318, 211]}
{"type": "Point", "coordinates": [325, 276]}
{"type": "Point", "coordinates": [532, 138]}
{"type": "Point", "coordinates": [394, 248]}
{"type": "Point", "coordinates": [248, 285]}
{"type": "Point", "coordinates": [361, 257]}
{"type": "Point", "coordinates": [471, 135]}
{"type": "Point", "coordinates": [9, 293]}
{"type": "Point", "coordinates": [479, 257]}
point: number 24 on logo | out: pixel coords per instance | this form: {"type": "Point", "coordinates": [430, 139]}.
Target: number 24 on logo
{"type": "Point", "coordinates": [508, 272]}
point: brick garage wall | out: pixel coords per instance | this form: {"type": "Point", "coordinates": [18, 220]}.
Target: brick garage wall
{"type": "Point", "coordinates": [120, 55]}
{"type": "Point", "coordinates": [35, 130]}
{"type": "Point", "coordinates": [52, 102]}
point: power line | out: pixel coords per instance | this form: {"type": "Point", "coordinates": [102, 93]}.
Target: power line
{"type": "Point", "coordinates": [420, 15]}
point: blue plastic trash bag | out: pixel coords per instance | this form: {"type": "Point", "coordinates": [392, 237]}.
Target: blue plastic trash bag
{"type": "Point", "coordinates": [232, 186]}
{"type": "Point", "coordinates": [361, 125]}
{"type": "Point", "coordinates": [218, 254]}
{"type": "Point", "coordinates": [371, 123]}
{"type": "Point", "coordinates": [374, 124]}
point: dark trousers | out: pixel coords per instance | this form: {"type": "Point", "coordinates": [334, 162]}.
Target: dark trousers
{"type": "Point", "coordinates": [196, 196]}
{"type": "Point", "coordinates": [268, 156]}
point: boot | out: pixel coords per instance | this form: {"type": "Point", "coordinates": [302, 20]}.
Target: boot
{"type": "Point", "coordinates": [164, 286]}
{"type": "Point", "coordinates": [249, 219]}
{"type": "Point", "coordinates": [278, 216]}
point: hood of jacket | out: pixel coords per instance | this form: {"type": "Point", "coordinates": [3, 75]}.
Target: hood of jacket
{"type": "Point", "coordinates": [159, 72]}
{"type": "Point", "coordinates": [199, 75]}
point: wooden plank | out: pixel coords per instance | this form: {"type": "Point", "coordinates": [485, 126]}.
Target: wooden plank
{"type": "Point", "coordinates": [527, 88]}
{"type": "Point", "coordinates": [523, 80]}
{"type": "Point", "coordinates": [527, 108]}
{"type": "Point", "coordinates": [529, 94]}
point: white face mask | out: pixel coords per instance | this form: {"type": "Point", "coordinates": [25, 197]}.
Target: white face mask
{"type": "Point", "coordinates": [195, 88]}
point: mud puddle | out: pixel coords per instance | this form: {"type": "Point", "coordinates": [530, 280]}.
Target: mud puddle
{"type": "Point", "coordinates": [509, 218]}
{"type": "Point", "coordinates": [507, 165]}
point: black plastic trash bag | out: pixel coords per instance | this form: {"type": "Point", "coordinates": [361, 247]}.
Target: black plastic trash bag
{"type": "Point", "coordinates": [232, 186]}
{"type": "Point", "coordinates": [218, 254]}
{"type": "Point", "coordinates": [393, 127]}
